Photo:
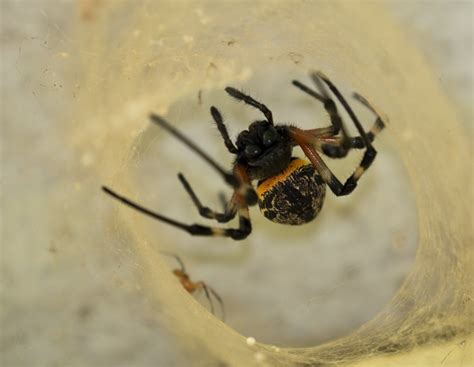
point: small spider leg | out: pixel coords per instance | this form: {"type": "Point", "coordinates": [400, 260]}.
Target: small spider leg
{"type": "Point", "coordinates": [240, 233]}
{"type": "Point", "coordinates": [304, 139]}
{"type": "Point", "coordinates": [229, 213]}
{"type": "Point", "coordinates": [228, 177]}
{"type": "Point", "coordinates": [202, 285]}
{"type": "Point", "coordinates": [216, 115]}
{"type": "Point", "coordinates": [208, 291]}
{"type": "Point", "coordinates": [177, 258]}
{"type": "Point", "coordinates": [219, 299]}
{"type": "Point", "coordinates": [249, 100]}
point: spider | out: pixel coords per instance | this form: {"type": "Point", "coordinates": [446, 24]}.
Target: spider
{"type": "Point", "coordinates": [193, 287]}
{"type": "Point", "coordinates": [289, 190]}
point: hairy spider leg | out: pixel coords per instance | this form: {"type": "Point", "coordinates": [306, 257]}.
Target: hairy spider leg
{"type": "Point", "coordinates": [249, 100]}
{"type": "Point", "coordinates": [326, 141]}
{"type": "Point", "coordinates": [330, 107]}
{"type": "Point", "coordinates": [370, 152]}
{"type": "Point", "coordinates": [230, 208]}
{"type": "Point", "coordinates": [305, 140]}
{"type": "Point", "coordinates": [216, 115]}
{"type": "Point", "coordinates": [379, 122]}
{"type": "Point", "coordinates": [245, 195]}
{"type": "Point", "coordinates": [235, 178]}
{"type": "Point", "coordinates": [228, 177]}
{"type": "Point", "coordinates": [355, 142]}
{"type": "Point", "coordinates": [240, 233]}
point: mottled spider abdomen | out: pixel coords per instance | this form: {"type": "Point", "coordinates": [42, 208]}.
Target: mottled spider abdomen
{"type": "Point", "coordinates": [295, 196]}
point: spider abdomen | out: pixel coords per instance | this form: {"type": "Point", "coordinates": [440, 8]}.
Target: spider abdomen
{"type": "Point", "coordinates": [295, 196]}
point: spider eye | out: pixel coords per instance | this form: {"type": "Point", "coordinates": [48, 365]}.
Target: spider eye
{"type": "Point", "coordinates": [252, 150]}
{"type": "Point", "coordinates": [270, 136]}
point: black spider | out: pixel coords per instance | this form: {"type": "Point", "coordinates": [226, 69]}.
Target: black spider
{"type": "Point", "coordinates": [290, 190]}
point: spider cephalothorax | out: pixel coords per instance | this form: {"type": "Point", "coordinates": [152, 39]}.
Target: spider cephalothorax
{"type": "Point", "coordinates": [289, 190]}
{"type": "Point", "coordinates": [265, 149]}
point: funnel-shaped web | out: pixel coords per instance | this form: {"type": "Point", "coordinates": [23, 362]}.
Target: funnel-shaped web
{"type": "Point", "coordinates": [144, 58]}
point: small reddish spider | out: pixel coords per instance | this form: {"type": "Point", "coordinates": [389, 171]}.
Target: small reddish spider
{"type": "Point", "coordinates": [289, 190]}
{"type": "Point", "coordinates": [193, 287]}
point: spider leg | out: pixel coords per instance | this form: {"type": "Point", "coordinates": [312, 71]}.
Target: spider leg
{"type": "Point", "coordinates": [330, 107]}
{"type": "Point", "coordinates": [208, 291]}
{"type": "Point", "coordinates": [337, 147]}
{"type": "Point", "coordinates": [332, 149]}
{"type": "Point", "coordinates": [240, 233]}
{"type": "Point", "coordinates": [223, 200]}
{"type": "Point", "coordinates": [304, 140]}
{"type": "Point", "coordinates": [232, 179]}
{"type": "Point", "coordinates": [219, 299]}
{"type": "Point", "coordinates": [228, 177]}
{"type": "Point", "coordinates": [349, 110]}
{"type": "Point", "coordinates": [202, 285]}
{"type": "Point", "coordinates": [229, 213]}
{"type": "Point", "coordinates": [216, 115]}
{"type": "Point", "coordinates": [177, 258]}
{"type": "Point", "coordinates": [249, 100]}
{"type": "Point", "coordinates": [379, 123]}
